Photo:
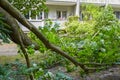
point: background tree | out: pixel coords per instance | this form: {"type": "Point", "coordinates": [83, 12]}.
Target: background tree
{"type": "Point", "coordinates": [29, 5]}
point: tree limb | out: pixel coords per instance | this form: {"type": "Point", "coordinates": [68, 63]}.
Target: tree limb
{"type": "Point", "coordinates": [16, 30]}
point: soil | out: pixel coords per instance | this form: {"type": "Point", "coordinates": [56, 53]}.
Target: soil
{"type": "Point", "coordinates": [112, 73]}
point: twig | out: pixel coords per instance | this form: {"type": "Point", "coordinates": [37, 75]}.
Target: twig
{"type": "Point", "coordinates": [95, 34]}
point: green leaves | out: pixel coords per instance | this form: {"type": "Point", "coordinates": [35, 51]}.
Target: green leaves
{"type": "Point", "coordinates": [30, 49]}
{"type": "Point", "coordinates": [89, 12]}
{"type": "Point", "coordinates": [62, 76]}
{"type": "Point", "coordinates": [100, 37]}
{"type": "Point", "coordinates": [79, 29]}
{"type": "Point", "coordinates": [106, 18]}
{"type": "Point", "coordinates": [29, 5]}
{"type": "Point", "coordinates": [50, 31]}
{"type": "Point", "coordinates": [105, 44]}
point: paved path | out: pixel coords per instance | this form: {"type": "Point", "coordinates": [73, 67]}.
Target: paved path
{"type": "Point", "coordinates": [8, 49]}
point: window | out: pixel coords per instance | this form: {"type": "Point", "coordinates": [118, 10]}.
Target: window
{"type": "Point", "coordinates": [27, 16]}
{"type": "Point", "coordinates": [41, 15]}
{"type": "Point", "coordinates": [61, 15]}
{"type": "Point", "coordinates": [45, 15]}
{"type": "Point", "coordinates": [33, 15]}
{"type": "Point", "coordinates": [64, 14]}
{"type": "Point", "coordinates": [117, 13]}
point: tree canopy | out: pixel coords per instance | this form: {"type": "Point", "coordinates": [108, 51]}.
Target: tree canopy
{"type": "Point", "coordinates": [25, 6]}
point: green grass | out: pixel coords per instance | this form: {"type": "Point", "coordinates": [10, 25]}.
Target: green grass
{"type": "Point", "coordinates": [8, 59]}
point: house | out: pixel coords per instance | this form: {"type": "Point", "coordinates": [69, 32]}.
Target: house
{"type": "Point", "coordinates": [59, 10]}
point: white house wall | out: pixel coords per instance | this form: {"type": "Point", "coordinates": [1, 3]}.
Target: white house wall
{"type": "Point", "coordinates": [53, 8]}
{"type": "Point", "coordinates": [70, 7]}
{"type": "Point", "coordinates": [36, 23]}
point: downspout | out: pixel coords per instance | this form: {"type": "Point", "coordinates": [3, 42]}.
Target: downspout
{"type": "Point", "coordinates": [106, 3]}
{"type": "Point", "coordinates": [43, 18]}
{"type": "Point", "coordinates": [77, 8]}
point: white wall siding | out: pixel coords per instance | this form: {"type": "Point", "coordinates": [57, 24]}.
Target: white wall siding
{"type": "Point", "coordinates": [53, 9]}
{"type": "Point", "coordinates": [36, 23]}
{"type": "Point", "coordinates": [117, 2]}
{"type": "Point", "coordinates": [51, 12]}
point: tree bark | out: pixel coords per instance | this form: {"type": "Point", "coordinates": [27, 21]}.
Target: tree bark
{"type": "Point", "coordinates": [26, 56]}
{"type": "Point", "coordinates": [16, 30]}
{"type": "Point", "coordinates": [16, 14]}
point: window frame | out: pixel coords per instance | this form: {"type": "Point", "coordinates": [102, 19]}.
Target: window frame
{"type": "Point", "coordinates": [40, 16]}
{"type": "Point", "coordinates": [117, 14]}
{"type": "Point", "coordinates": [60, 14]}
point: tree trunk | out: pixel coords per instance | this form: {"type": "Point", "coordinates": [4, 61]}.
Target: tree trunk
{"type": "Point", "coordinates": [16, 30]}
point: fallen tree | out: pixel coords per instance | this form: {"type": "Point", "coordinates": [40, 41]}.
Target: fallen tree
{"type": "Point", "coordinates": [18, 16]}
{"type": "Point", "coordinates": [12, 15]}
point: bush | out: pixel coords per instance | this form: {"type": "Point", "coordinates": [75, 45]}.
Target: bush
{"type": "Point", "coordinates": [79, 29]}
{"type": "Point", "coordinates": [104, 46]}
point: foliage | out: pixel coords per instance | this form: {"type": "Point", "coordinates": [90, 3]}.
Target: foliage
{"type": "Point", "coordinates": [62, 76]}
{"type": "Point", "coordinates": [13, 71]}
{"type": "Point", "coordinates": [79, 29]}
{"type": "Point", "coordinates": [19, 71]}
{"type": "Point", "coordinates": [73, 18]}
{"type": "Point", "coordinates": [30, 49]}
{"type": "Point", "coordinates": [89, 11]}
{"type": "Point", "coordinates": [106, 18]}
{"type": "Point", "coordinates": [4, 73]}
{"type": "Point", "coordinates": [29, 5]}
{"type": "Point", "coordinates": [51, 60]}
{"type": "Point", "coordinates": [98, 40]}
{"type": "Point", "coordinates": [50, 76]}
{"type": "Point", "coordinates": [50, 31]}
{"type": "Point", "coordinates": [84, 28]}
{"type": "Point", "coordinates": [103, 47]}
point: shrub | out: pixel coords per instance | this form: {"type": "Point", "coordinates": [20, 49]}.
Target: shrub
{"type": "Point", "coordinates": [104, 46]}
{"type": "Point", "coordinates": [79, 29]}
